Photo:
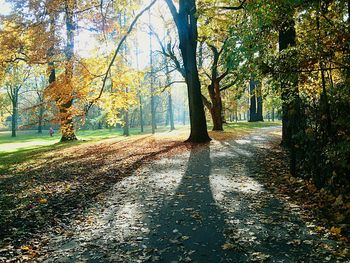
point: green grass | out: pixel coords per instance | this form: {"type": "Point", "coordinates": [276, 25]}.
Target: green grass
{"type": "Point", "coordinates": [251, 125]}
{"type": "Point", "coordinates": [27, 140]}
{"type": "Point", "coordinates": [29, 144]}
{"type": "Point", "coordinates": [247, 126]}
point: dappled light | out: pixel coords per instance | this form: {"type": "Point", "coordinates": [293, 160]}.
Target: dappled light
{"type": "Point", "coordinates": [174, 131]}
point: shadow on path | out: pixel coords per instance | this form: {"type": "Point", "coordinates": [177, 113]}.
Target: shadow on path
{"type": "Point", "coordinates": [190, 226]}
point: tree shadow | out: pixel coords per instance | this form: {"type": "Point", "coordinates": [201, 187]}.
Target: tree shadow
{"type": "Point", "coordinates": [264, 226]}
{"type": "Point", "coordinates": [68, 184]}
{"type": "Point", "coordinates": [191, 226]}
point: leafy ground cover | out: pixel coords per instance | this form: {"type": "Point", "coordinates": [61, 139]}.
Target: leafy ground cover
{"type": "Point", "coordinates": [50, 188]}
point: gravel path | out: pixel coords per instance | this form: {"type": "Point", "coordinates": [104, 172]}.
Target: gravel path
{"type": "Point", "coordinates": [205, 205]}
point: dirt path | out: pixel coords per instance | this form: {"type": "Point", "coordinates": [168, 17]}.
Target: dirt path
{"type": "Point", "coordinates": [205, 205]}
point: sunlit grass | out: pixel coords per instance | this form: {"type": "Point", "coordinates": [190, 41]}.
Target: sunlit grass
{"type": "Point", "coordinates": [29, 145]}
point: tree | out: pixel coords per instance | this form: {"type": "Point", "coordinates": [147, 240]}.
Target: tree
{"type": "Point", "coordinates": [16, 76]}
{"type": "Point", "coordinates": [186, 23]}
{"type": "Point", "coordinates": [256, 104]}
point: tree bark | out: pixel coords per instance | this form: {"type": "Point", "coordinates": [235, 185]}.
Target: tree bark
{"type": "Point", "coordinates": [153, 111]}
{"type": "Point", "coordinates": [40, 119]}
{"type": "Point", "coordinates": [14, 120]}
{"type": "Point", "coordinates": [139, 88]}
{"type": "Point", "coordinates": [289, 87]}
{"type": "Point", "coordinates": [170, 112]}
{"type": "Point", "coordinates": [253, 116]}
{"type": "Point", "coordinates": [291, 103]}
{"type": "Point", "coordinates": [186, 23]}
{"type": "Point", "coordinates": [66, 99]}
{"type": "Point", "coordinates": [126, 125]}
{"type": "Point", "coordinates": [259, 113]}
{"type": "Point", "coordinates": [215, 107]}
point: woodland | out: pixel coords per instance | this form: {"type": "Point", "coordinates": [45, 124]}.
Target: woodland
{"type": "Point", "coordinates": [105, 103]}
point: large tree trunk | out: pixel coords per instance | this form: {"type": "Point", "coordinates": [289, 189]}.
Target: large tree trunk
{"type": "Point", "coordinates": [186, 22]}
{"type": "Point", "coordinates": [259, 100]}
{"type": "Point", "coordinates": [289, 87]}
{"type": "Point", "coordinates": [215, 107]}
{"type": "Point", "coordinates": [65, 101]}
{"type": "Point", "coordinates": [291, 103]}
{"type": "Point", "coordinates": [252, 107]}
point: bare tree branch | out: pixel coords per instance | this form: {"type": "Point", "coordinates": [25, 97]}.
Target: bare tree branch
{"type": "Point", "coordinates": [116, 52]}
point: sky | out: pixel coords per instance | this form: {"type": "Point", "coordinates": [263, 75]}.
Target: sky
{"type": "Point", "coordinates": [86, 42]}
{"type": "Point", "coordinates": [5, 8]}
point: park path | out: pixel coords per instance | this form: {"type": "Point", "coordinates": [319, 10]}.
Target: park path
{"type": "Point", "coordinates": [205, 205]}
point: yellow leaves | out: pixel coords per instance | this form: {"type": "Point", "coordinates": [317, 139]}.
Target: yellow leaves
{"type": "Point", "coordinates": [28, 252]}
{"type": "Point", "coordinates": [26, 248]}
{"type": "Point", "coordinates": [335, 230]}
{"type": "Point", "coordinates": [42, 201]}
{"type": "Point", "coordinates": [320, 228]}
{"type": "Point", "coordinates": [227, 246]}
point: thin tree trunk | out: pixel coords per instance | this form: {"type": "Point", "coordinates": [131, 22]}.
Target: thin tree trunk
{"type": "Point", "coordinates": [153, 112]}
{"type": "Point", "coordinates": [139, 88]}
{"type": "Point", "coordinates": [324, 107]}
{"type": "Point", "coordinates": [14, 114]}
{"type": "Point", "coordinates": [170, 111]}
{"type": "Point", "coordinates": [126, 125]}
{"type": "Point", "coordinates": [126, 131]}
{"type": "Point", "coordinates": [40, 119]}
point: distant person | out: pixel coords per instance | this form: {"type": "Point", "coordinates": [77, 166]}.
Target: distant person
{"type": "Point", "coordinates": [51, 131]}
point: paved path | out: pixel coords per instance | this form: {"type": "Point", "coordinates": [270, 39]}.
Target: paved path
{"type": "Point", "coordinates": [206, 205]}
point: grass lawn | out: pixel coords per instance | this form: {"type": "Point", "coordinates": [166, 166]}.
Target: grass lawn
{"type": "Point", "coordinates": [29, 145]}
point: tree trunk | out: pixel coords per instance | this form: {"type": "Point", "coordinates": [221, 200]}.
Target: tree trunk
{"type": "Point", "coordinates": [139, 88]}
{"type": "Point", "coordinates": [153, 112]}
{"type": "Point", "coordinates": [186, 23]}
{"type": "Point", "coordinates": [40, 119]}
{"type": "Point", "coordinates": [259, 113]}
{"type": "Point", "coordinates": [184, 116]}
{"type": "Point", "coordinates": [216, 117]}
{"type": "Point", "coordinates": [289, 88]}
{"type": "Point", "coordinates": [66, 114]}
{"type": "Point", "coordinates": [215, 107]}
{"type": "Point", "coordinates": [171, 111]}
{"type": "Point", "coordinates": [291, 103]}
{"type": "Point", "coordinates": [126, 123]}
{"type": "Point", "coordinates": [141, 113]}
{"type": "Point", "coordinates": [252, 107]}
{"type": "Point", "coordinates": [14, 114]}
